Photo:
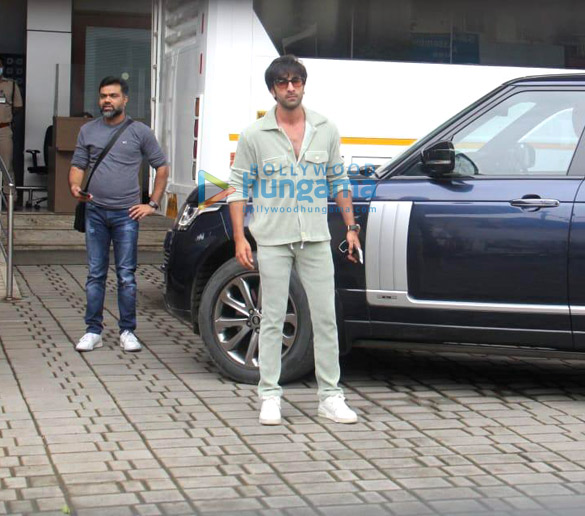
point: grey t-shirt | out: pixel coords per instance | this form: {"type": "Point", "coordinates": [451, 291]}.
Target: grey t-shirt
{"type": "Point", "coordinates": [114, 184]}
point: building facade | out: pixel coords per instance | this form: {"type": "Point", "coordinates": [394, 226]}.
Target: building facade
{"type": "Point", "coordinates": [58, 50]}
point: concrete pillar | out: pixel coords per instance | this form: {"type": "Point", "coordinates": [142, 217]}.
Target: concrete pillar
{"type": "Point", "coordinates": [48, 41]}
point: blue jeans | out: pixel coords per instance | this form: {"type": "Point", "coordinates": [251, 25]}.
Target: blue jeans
{"type": "Point", "coordinates": [103, 226]}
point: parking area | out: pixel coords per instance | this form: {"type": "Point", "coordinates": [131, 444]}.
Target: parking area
{"type": "Point", "coordinates": [161, 432]}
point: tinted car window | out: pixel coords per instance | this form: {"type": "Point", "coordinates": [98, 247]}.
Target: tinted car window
{"type": "Point", "coordinates": [554, 142]}
{"type": "Point", "coordinates": [532, 132]}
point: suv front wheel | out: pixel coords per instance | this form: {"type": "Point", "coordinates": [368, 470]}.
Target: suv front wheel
{"type": "Point", "coordinates": [229, 317]}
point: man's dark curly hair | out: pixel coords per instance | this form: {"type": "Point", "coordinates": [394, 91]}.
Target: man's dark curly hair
{"type": "Point", "coordinates": [283, 66]}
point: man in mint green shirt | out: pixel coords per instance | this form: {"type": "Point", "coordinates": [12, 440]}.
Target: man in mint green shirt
{"type": "Point", "coordinates": [290, 162]}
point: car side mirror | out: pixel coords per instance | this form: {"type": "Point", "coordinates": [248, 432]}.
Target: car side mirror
{"type": "Point", "coordinates": [439, 158]}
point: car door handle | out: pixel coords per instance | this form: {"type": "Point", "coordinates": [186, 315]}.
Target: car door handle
{"type": "Point", "coordinates": [535, 203]}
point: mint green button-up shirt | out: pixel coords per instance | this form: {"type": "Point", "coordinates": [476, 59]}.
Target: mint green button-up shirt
{"type": "Point", "coordinates": [289, 194]}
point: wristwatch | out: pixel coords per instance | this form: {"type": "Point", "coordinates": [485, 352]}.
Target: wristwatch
{"type": "Point", "coordinates": [354, 227]}
{"type": "Point", "coordinates": [153, 204]}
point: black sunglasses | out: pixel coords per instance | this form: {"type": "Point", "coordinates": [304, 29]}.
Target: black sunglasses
{"type": "Point", "coordinates": [283, 83]}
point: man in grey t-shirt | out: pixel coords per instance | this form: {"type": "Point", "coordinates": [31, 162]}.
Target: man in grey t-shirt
{"type": "Point", "coordinates": [114, 210]}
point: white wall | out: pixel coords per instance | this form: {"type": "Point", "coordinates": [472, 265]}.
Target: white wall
{"type": "Point", "coordinates": [49, 15]}
{"type": "Point", "coordinates": [48, 39]}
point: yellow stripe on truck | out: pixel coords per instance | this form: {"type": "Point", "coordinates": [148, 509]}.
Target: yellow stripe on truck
{"type": "Point", "coordinates": [403, 142]}
{"type": "Point", "coordinates": [357, 140]}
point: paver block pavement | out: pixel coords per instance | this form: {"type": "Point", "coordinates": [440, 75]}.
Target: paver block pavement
{"type": "Point", "coordinates": [162, 432]}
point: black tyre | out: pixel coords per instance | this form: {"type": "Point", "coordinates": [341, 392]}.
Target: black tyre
{"type": "Point", "coordinates": [229, 320]}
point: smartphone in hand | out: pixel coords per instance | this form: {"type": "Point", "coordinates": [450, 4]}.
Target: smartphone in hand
{"type": "Point", "coordinates": [83, 193]}
{"type": "Point", "coordinates": [357, 252]}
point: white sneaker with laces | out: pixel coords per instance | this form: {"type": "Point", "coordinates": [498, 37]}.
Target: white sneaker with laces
{"type": "Point", "coordinates": [270, 411]}
{"type": "Point", "coordinates": [129, 342]}
{"type": "Point", "coordinates": [89, 342]}
{"type": "Point", "coordinates": [335, 408]}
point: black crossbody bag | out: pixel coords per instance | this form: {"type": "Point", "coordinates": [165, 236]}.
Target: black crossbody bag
{"type": "Point", "coordinates": [79, 220]}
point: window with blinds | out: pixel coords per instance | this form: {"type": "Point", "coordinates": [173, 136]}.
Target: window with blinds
{"type": "Point", "coordinates": [122, 53]}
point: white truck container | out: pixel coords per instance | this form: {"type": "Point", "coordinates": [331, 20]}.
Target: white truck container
{"type": "Point", "coordinates": [209, 58]}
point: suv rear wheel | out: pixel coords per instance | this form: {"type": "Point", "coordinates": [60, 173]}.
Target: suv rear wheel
{"type": "Point", "coordinates": [229, 317]}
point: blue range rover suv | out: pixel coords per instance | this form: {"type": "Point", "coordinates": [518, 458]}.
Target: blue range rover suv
{"type": "Point", "coordinates": [474, 236]}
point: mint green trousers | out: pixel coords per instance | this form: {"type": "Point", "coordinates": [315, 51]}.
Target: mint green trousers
{"type": "Point", "coordinates": [314, 265]}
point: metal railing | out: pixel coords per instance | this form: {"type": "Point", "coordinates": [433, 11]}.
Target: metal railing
{"type": "Point", "coordinates": [7, 193]}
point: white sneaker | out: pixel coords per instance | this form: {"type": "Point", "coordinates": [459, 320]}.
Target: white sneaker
{"type": "Point", "coordinates": [89, 342]}
{"type": "Point", "coordinates": [129, 342]}
{"type": "Point", "coordinates": [335, 408]}
{"type": "Point", "coordinates": [270, 411]}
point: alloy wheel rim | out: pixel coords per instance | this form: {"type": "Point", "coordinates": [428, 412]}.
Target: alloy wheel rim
{"type": "Point", "coordinates": [237, 316]}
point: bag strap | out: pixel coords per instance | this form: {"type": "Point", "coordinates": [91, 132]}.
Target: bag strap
{"type": "Point", "coordinates": [107, 148]}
